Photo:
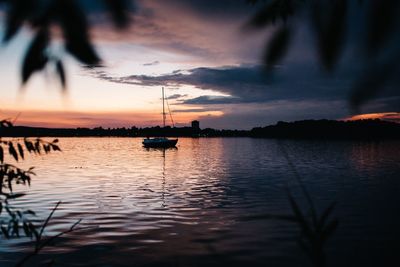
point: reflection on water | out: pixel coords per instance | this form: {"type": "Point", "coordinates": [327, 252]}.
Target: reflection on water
{"type": "Point", "coordinates": [184, 206]}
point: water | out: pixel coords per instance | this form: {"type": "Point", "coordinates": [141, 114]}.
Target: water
{"type": "Point", "coordinates": [189, 206]}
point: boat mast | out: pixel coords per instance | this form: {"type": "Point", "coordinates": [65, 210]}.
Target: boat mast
{"type": "Point", "coordinates": [163, 108]}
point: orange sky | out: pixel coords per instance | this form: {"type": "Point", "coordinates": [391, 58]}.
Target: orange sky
{"type": "Point", "coordinates": [161, 45]}
{"type": "Point", "coordinates": [60, 119]}
{"type": "Point", "coordinates": [69, 119]}
{"type": "Point", "coordinates": [388, 116]}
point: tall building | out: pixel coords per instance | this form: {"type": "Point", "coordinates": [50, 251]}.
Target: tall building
{"type": "Point", "coordinates": [195, 126]}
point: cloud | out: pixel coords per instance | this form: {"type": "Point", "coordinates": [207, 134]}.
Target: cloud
{"type": "Point", "coordinates": [176, 96]}
{"type": "Point", "coordinates": [151, 63]}
{"type": "Point", "coordinates": [245, 116]}
{"type": "Point", "coordinates": [248, 86]}
{"type": "Point", "coordinates": [251, 84]}
{"type": "Point", "coordinates": [211, 100]}
{"type": "Point", "coordinates": [241, 83]}
{"type": "Point", "coordinates": [210, 32]}
{"type": "Point", "coordinates": [195, 110]}
{"type": "Point", "coordinates": [245, 83]}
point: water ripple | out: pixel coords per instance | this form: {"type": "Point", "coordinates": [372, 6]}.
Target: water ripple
{"type": "Point", "coordinates": [186, 205]}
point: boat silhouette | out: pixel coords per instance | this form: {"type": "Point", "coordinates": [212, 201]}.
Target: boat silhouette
{"type": "Point", "coordinates": [160, 142]}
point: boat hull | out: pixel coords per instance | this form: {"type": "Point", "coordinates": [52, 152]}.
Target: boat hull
{"type": "Point", "coordinates": [159, 143]}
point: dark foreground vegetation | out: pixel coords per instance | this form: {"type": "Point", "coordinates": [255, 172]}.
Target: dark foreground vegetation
{"type": "Point", "coordinates": [307, 129]}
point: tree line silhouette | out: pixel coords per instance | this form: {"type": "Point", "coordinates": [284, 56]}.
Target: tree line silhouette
{"type": "Point", "coordinates": [306, 129]}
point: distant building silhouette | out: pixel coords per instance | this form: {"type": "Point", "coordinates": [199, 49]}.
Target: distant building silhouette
{"type": "Point", "coordinates": [195, 125]}
{"type": "Point", "coordinates": [195, 128]}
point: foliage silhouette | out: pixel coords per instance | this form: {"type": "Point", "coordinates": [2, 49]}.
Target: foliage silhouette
{"type": "Point", "coordinates": [11, 175]}
{"type": "Point", "coordinates": [278, 45]}
{"type": "Point", "coordinates": [315, 228]}
{"type": "Point", "coordinates": [15, 223]}
{"type": "Point", "coordinates": [40, 16]}
{"type": "Point", "coordinates": [330, 24]}
{"type": "Point", "coordinates": [329, 20]}
{"type": "Point", "coordinates": [41, 241]}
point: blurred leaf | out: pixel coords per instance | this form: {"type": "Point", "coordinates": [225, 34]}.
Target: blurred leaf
{"type": "Point", "coordinates": [18, 12]}
{"type": "Point", "coordinates": [119, 12]}
{"type": "Point", "coordinates": [289, 218]}
{"type": "Point", "coordinates": [48, 219]}
{"type": "Point", "coordinates": [16, 195]}
{"type": "Point", "coordinates": [305, 247]}
{"type": "Point", "coordinates": [383, 16]}
{"type": "Point", "coordinates": [29, 146]}
{"type": "Point", "coordinates": [12, 151]}
{"type": "Point", "coordinates": [27, 231]}
{"type": "Point", "coordinates": [55, 147]}
{"type": "Point", "coordinates": [278, 45]}
{"type": "Point", "coordinates": [301, 220]}
{"type": "Point", "coordinates": [37, 146]}
{"type": "Point", "coordinates": [252, 2]}
{"type": "Point", "coordinates": [15, 228]}
{"type": "Point", "coordinates": [61, 74]}
{"type": "Point", "coordinates": [10, 212]}
{"type": "Point", "coordinates": [35, 58]}
{"type": "Point", "coordinates": [21, 151]}
{"type": "Point", "coordinates": [276, 9]}
{"type": "Point", "coordinates": [5, 232]}
{"type": "Point", "coordinates": [34, 231]}
{"type": "Point", "coordinates": [75, 30]}
{"type": "Point", "coordinates": [31, 212]}
{"type": "Point", "coordinates": [330, 21]}
{"type": "Point", "coordinates": [325, 215]}
{"type": "Point", "coordinates": [329, 230]}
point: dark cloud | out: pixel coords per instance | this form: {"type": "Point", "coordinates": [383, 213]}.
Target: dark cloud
{"type": "Point", "coordinates": [195, 110]}
{"type": "Point", "coordinates": [203, 30]}
{"type": "Point", "coordinates": [220, 9]}
{"type": "Point", "coordinates": [203, 8]}
{"type": "Point", "coordinates": [242, 83]}
{"type": "Point", "coordinates": [96, 9]}
{"type": "Point", "coordinates": [152, 63]}
{"type": "Point", "coordinates": [254, 98]}
{"type": "Point", "coordinates": [249, 94]}
{"type": "Point", "coordinates": [247, 84]}
{"type": "Point", "coordinates": [243, 117]}
{"type": "Point", "coordinates": [176, 96]}
{"type": "Point", "coordinates": [251, 84]}
{"type": "Point", "coordinates": [211, 100]}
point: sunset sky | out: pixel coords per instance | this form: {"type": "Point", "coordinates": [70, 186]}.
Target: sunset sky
{"type": "Point", "coordinates": [199, 52]}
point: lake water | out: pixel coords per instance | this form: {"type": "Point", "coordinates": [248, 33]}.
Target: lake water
{"type": "Point", "coordinates": [190, 206]}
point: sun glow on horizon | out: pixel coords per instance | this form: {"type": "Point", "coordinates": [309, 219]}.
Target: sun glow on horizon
{"type": "Point", "coordinates": [388, 116]}
{"type": "Point", "coordinates": [117, 119]}
{"type": "Point", "coordinates": [205, 65]}
{"type": "Point", "coordinates": [93, 102]}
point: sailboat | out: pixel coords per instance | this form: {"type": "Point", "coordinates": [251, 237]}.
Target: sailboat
{"type": "Point", "coordinates": [160, 142]}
